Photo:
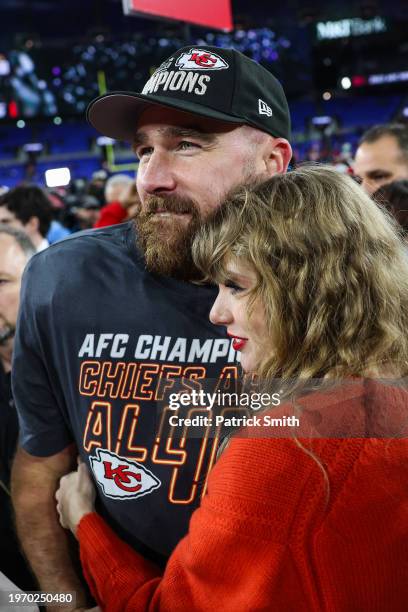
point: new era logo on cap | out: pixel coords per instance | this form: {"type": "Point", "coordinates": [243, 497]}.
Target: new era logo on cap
{"type": "Point", "coordinates": [201, 59]}
{"type": "Point", "coordinates": [264, 109]}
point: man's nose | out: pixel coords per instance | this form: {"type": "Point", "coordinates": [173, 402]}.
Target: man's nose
{"type": "Point", "coordinates": [220, 314]}
{"type": "Point", "coordinates": [156, 175]}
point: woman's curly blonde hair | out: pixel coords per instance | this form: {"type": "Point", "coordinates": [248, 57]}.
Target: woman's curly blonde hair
{"type": "Point", "coordinates": [332, 273]}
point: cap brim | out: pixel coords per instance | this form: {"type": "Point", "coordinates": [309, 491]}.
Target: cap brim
{"type": "Point", "coordinates": [115, 114]}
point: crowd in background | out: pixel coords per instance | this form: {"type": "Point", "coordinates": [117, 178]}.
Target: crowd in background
{"type": "Point", "coordinates": [381, 159]}
{"type": "Point", "coordinates": [45, 216]}
{"type": "Point", "coordinates": [48, 215]}
{"type": "Point", "coordinates": [312, 286]}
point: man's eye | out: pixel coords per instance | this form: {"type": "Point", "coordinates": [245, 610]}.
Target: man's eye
{"type": "Point", "coordinates": [185, 145]}
{"type": "Point", "coordinates": [234, 287]}
{"type": "Point", "coordinates": [144, 152]}
{"type": "Point", "coordinates": [379, 177]}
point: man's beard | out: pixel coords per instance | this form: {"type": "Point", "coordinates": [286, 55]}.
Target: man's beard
{"type": "Point", "coordinates": [166, 243]}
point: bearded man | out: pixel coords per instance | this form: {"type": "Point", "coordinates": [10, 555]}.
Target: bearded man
{"type": "Point", "coordinates": [15, 250]}
{"type": "Point", "coordinates": [110, 318]}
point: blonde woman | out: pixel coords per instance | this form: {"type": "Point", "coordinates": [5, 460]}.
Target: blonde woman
{"type": "Point", "coordinates": [313, 286]}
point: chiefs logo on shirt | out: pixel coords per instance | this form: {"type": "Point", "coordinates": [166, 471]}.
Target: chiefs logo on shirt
{"type": "Point", "coordinates": [199, 59]}
{"type": "Point", "coordinates": [121, 478]}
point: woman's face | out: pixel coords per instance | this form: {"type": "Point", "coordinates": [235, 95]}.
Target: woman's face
{"type": "Point", "coordinates": [230, 309]}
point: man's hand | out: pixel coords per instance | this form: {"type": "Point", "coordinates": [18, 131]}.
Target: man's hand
{"type": "Point", "coordinates": [75, 497]}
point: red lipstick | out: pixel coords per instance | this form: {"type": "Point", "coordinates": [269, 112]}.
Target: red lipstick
{"type": "Point", "coordinates": [238, 342]}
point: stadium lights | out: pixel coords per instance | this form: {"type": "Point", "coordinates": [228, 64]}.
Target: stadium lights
{"type": "Point", "coordinates": [322, 120]}
{"type": "Point", "coordinates": [57, 177]}
{"type": "Point", "coordinates": [33, 147]}
{"type": "Point", "coordinates": [389, 77]}
{"type": "Point", "coordinates": [103, 141]}
{"type": "Point", "coordinates": [345, 83]}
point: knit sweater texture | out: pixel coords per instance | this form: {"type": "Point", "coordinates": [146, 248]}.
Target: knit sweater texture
{"type": "Point", "coordinates": [312, 524]}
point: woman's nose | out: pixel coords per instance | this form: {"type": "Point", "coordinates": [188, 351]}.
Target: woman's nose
{"type": "Point", "coordinates": [220, 314]}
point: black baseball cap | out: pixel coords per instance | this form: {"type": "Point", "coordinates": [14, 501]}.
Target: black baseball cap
{"type": "Point", "coordinates": [218, 83]}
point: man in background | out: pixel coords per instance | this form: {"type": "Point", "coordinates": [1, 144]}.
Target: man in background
{"type": "Point", "coordinates": [394, 197]}
{"type": "Point", "coordinates": [382, 156]}
{"type": "Point", "coordinates": [28, 208]}
{"type": "Point", "coordinates": [85, 212]}
{"type": "Point", "coordinates": [15, 250]}
{"type": "Point", "coordinates": [119, 190]}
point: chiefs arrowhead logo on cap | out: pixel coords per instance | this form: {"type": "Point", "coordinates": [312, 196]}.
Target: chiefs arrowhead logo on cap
{"type": "Point", "coordinates": [201, 59]}
{"type": "Point", "coordinates": [121, 478]}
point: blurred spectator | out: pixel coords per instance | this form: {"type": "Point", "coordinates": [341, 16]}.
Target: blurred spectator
{"type": "Point", "coordinates": [394, 197]}
{"type": "Point", "coordinates": [86, 212]}
{"type": "Point", "coordinates": [57, 231]}
{"type": "Point", "coordinates": [116, 187]}
{"type": "Point", "coordinates": [28, 208]}
{"type": "Point", "coordinates": [15, 249]}
{"type": "Point", "coordinates": [96, 187]}
{"type": "Point", "coordinates": [343, 159]}
{"type": "Point", "coordinates": [382, 156]}
{"type": "Point", "coordinates": [120, 195]}
{"type": "Point", "coordinates": [81, 211]}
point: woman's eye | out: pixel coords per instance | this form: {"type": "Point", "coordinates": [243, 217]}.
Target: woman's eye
{"type": "Point", "coordinates": [234, 287]}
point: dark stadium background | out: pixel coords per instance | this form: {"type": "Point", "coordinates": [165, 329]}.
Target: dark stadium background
{"type": "Point", "coordinates": [57, 55]}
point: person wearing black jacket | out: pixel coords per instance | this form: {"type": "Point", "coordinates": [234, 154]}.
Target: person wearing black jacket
{"type": "Point", "coordinates": [15, 250]}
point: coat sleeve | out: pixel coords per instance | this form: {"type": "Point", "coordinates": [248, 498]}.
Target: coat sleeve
{"type": "Point", "coordinates": [235, 556]}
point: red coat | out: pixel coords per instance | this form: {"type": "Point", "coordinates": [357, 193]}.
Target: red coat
{"type": "Point", "coordinates": [270, 535]}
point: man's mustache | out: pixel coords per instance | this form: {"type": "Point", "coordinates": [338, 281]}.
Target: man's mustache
{"type": "Point", "coordinates": [171, 204]}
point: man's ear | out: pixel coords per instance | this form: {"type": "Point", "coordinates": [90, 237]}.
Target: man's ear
{"type": "Point", "coordinates": [278, 154]}
{"type": "Point", "coordinates": [32, 226]}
